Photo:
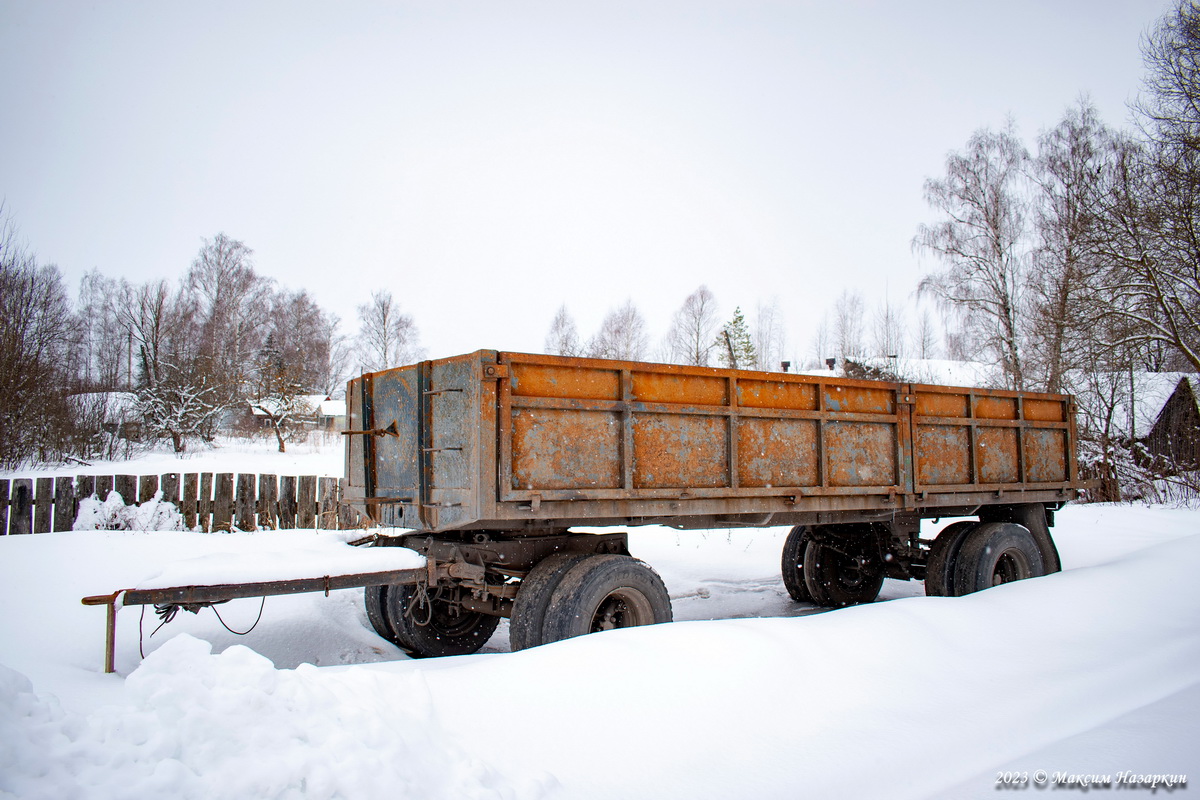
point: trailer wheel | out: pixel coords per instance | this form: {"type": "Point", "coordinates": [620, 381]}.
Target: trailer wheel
{"type": "Point", "coordinates": [792, 563]}
{"type": "Point", "coordinates": [602, 592]}
{"type": "Point", "coordinates": [430, 626]}
{"type": "Point", "coordinates": [996, 553]}
{"type": "Point", "coordinates": [939, 569]}
{"type": "Point", "coordinates": [529, 609]}
{"type": "Point", "coordinates": [844, 572]}
{"type": "Point", "coordinates": [375, 600]}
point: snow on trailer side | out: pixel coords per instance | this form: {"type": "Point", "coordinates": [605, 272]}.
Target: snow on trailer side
{"type": "Point", "coordinates": [490, 458]}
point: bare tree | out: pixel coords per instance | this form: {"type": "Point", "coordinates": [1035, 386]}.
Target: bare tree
{"type": "Point", "coordinates": [822, 342]}
{"type": "Point", "coordinates": [848, 314]}
{"type": "Point", "coordinates": [887, 330]}
{"type": "Point", "coordinates": [387, 337]}
{"type": "Point", "coordinates": [106, 350]}
{"type": "Point", "coordinates": [690, 337]}
{"type": "Point", "coordinates": [982, 242]}
{"type": "Point", "coordinates": [622, 335]}
{"type": "Point", "coordinates": [232, 304]}
{"type": "Point", "coordinates": [156, 323]}
{"type": "Point", "coordinates": [37, 329]}
{"type": "Point", "coordinates": [924, 336]}
{"type": "Point", "coordinates": [180, 406]}
{"type": "Point", "coordinates": [1151, 208]}
{"type": "Point", "coordinates": [281, 395]}
{"type": "Point", "coordinates": [563, 337]}
{"type": "Point", "coordinates": [1065, 263]}
{"type": "Point", "coordinates": [769, 337]}
{"type": "Point", "coordinates": [305, 339]}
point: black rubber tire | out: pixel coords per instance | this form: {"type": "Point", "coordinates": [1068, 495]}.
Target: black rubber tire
{"type": "Point", "coordinates": [837, 579]}
{"type": "Point", "coordinates": [996, 553]}
{"type": "Point", "coordinates": [603, 592]}
{"type": "Point", "coordinates": [443, 633]}
{"type": "Point", "coordinates": [529, 608]}
{"type": "Point", "coordinates": [791, 564]}
{"type": "Point", "coordinates": [375, 600]}
{"type": "Point", "coordinates": [939, 569]}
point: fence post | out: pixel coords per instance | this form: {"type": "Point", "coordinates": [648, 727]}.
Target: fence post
{"type": "Point", "coordinates": [147, 486]}
{"type": "Point", "coordinates": [204, 506]}
{"type": "Point", "coordinates": [306, 502]}
{"type": "Point", "coordinates": [191, 495]}
{"type": "Point", "coordinates": [85, 487]}
{"type": "Point", "coordinates": [43, 505]}
{"type": "Point", "coordinates": [246, 502]}
{"type": "Point", "coordinates": [104, 485]}
{"type": "Point", "coordinates": [287, 501]}
{"type": "Point", "coordinates": [64, 504]}
{"type": "Point", "coordinates": [3, 508]}
{"type": "Point", "coordinates": [328, 508]}
{"type": "Point", "coordinates": [347, 516]}
{"type": "Point", "coordinates": [21, 519]}
{"type": "Point", "coordinates": [268, 501]}
{"type": "Point", "coordinates": [222, 517]}
{"type": "Point", "coordinates": [170, 488]}
{"type": "Point", "coordinates": [126, 486]}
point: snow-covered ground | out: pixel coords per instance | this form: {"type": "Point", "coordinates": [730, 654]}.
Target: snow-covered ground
{"type": "Point", "coordinates": [1091, 672]}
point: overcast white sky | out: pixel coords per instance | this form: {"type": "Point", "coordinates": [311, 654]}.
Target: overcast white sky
{"type": "Point", "coordinates": [487, 162]}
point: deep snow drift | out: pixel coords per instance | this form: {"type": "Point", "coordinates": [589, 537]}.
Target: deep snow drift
{"type": "Point", "coordinates": [1092, 671]}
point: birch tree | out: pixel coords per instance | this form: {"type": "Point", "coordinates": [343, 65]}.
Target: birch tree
{"type": "Point", "coordinates": [691, 335]}
{"type": "Point", "coordinates": [622, 335]}
{"type": "Point", "coordinates": [387, 337]}
{"type": "Point", "coordinates": [1065, 265]}
{"type": "Point", "coordinates": [563, 336]}
{"type": "Point", "coordinates": [981, 240]}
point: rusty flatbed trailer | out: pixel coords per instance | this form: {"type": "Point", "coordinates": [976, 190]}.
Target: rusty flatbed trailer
{"type": "Point", "coordinates": [489, 459]}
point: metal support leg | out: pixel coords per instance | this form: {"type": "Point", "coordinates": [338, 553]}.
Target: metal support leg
{"type": "Point", "coordinates": [110, 631]}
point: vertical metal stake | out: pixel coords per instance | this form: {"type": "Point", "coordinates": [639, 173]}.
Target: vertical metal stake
{"type": "Point", "coordinates": [110, 628]}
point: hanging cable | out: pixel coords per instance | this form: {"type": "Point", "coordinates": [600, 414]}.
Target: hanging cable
{"type": "Point", "coordinates": [252, 627]}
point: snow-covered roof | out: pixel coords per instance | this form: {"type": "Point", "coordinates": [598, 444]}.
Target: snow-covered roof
{"type": "Point", "coordinates": [310, 403]}
{"type": "Point", "coordinates": [333, 408]}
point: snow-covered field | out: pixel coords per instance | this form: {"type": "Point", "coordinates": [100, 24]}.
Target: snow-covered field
{"type": "Point", "coordinates": [1091, 672]}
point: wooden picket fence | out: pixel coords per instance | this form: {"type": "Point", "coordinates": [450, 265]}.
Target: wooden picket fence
{"type": "Point", "coordinates": [211, 501]}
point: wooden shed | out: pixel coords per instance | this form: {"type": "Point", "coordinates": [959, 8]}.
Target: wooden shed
{"type": "Point", "coordinates": [1174, 439]}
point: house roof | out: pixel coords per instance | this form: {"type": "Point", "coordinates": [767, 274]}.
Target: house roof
{"type": "Point", "coordinates": [333, 408]}
{"type": "Point", "coordinates": [310, 402]}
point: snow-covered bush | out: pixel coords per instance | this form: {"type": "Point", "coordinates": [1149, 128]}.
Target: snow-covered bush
{"type": "Point", "coordinates": [113, 515]}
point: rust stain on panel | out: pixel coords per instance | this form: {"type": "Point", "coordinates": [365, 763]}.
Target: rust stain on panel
{"type": "Point", "coordinates": [943, 455]}
{"type": "Point", "coordinates": [1046, 455]}
{"type": "Point", "coordinates": [777, 452]}
{"type": "Point", "coordinates": [988, 407]}
{"type": "Point", "coordinates": [860, 400]}
{"type": "Point", "coordinates": [677, 451]}
{"type": "Point", "coordinates": [777, 394]}
{"type": "Point", "coordinates": [1045, 410]}
{"type": "Point", "coordinates": [998, 455]}
{"type": "Point", "coordinates": [938, 404]}
{"type": "Point", "coordinates": [579, 383]}
{"type": "Point", "coordinates": [665, 387]}
{"type": "Point", "coordinates": [861, 454]}
{"type": "Point", "coordinates": [558, 449]}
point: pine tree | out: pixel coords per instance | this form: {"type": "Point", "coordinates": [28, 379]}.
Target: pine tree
{"type": "Point", "coordinates": [734, 346]}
